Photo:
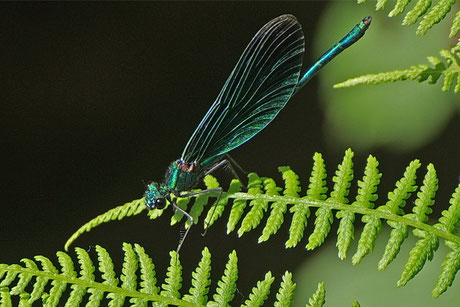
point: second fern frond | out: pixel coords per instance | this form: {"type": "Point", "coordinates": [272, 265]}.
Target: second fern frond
{"type": "Point", "coordinates": [449, 70]}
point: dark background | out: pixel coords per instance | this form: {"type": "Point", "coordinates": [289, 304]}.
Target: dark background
{"type": "Point", "coordinates": [97, 97]}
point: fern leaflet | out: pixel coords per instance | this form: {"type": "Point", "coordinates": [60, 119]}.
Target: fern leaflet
{"type": "Point", "coordinates": [450, 70]}
{"type": "Point", "coordinates": [260, 292]}
{"type": "Point", "coordinates": [198, 293]}
{"type": "Point", "coordinates": [286, 291]}
{"type": "Point", "coordinates": [319, 297]}
{"type": "Point", "coordinates": [422, 8]}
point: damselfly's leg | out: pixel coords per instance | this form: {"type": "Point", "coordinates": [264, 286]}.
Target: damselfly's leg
{"type": "Point", "coordinates": [229, 162]}
{"type": "Point", "coordinates": [214, 205]}
{"type": "Point", "coordinates": [223, 163]}
{"type": "Point", "coordinates": [188, 216]}
{"type": "Point", "coordinates": [233, 162]}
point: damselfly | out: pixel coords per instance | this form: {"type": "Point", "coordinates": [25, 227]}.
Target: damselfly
{"type": "Point", "coordinates": [262, 82]}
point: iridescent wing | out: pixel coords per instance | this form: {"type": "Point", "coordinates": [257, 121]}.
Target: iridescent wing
{"type": "Point", "coordinates": [259, 86]}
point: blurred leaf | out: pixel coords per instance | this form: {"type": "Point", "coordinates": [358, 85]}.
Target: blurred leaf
{"type": "Point", "coordinates": [399, 117]}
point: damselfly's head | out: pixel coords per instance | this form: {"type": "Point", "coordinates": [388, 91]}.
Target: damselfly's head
{"type": "Point", "coordinates": [155, 196]}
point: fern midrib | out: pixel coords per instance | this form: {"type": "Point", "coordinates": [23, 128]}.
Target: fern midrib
{"type": "Point", "coordinates": [355, 209]}
{"type": "Point", "coordinates": [101, 286]}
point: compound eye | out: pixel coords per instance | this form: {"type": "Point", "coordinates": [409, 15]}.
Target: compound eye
{"type": "Point", "coordinates": [160, 203]}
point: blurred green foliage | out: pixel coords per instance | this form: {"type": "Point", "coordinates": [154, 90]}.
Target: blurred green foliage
{"type": "Point", "coordinates": [397, 117]}
{"type": "Point", "coordinates": [364, 283]}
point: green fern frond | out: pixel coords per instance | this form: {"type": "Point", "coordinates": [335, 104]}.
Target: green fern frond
{"type": "Point", "coordinates": [264, 193]}
{"type": "Point", "coordinates": [16, 279]}
{"type": "Point", "coordinates": [85, 283]}
{"type": "Point", "coordinates": [392, 211]}
{"type": "Point", "coordinates": [422, 8]}
{"type": "Point", "coordinates": [132, 208]}
{"type": "Point", "coordinates": [450, 69]}
{"type": "Point", "coordinates": [319, 297]}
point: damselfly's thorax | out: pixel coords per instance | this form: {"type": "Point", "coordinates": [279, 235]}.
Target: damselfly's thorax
{"type": "Point", "coordinates": [180, 176]}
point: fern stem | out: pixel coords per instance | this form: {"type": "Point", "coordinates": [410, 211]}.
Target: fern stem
{"type": "Point", "coordinates": [351, 208]}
